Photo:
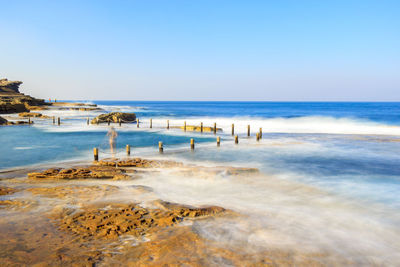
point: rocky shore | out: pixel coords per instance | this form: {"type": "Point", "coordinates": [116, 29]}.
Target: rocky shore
{"type": "Point", "coordinates": [94, 221]}
{"type": "Point", "coordinates": [89, 215]}
{"type": "Point", "coordinates": [13, 101]}
{"type": "Point", "coordinates": [103, 213]}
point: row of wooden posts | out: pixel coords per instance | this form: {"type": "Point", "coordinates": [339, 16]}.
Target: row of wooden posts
{"type": "Point", "coordinates": [184, 126]}
{"type": "Point", "coordinates": [54, 121]}
{"type": "Point", "coordinates": [151, 125]}
{"type": "Point", "coordinates": [161, 145]}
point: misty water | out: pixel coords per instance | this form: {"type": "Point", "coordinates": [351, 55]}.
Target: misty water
{"type": "Point", "coordinates": [329, 176]}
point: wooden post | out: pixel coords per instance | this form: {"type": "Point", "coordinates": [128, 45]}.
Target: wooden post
{"type": "Point", "coordinates": [128, 150]}
{"type": "Point", "coordinates": [97, 121]}
{"type": "Point", "coordinates": [160, 147]}
{"type": "Point", "coordinates": [215, 128]}
{"type": "Point", "coordinates": [192, 144]}
{"type": "Point", "coordinates": [108, 121]}
{"type": "Point", "coordinates": [120, 122]}
{"type": "Point", "coordinates": [87, 121]}
{"type": "Point", "coordinates": [29, 120]}
{"type": "Point", "coordinates": [58, 121]}
{"type": "Point", "coordinates": [96, 154]}
{"type": "Point", "coordinates": [151, 123]}
{"type": "Point", "coordinates": [201, 127]}
{"type": "Point", "coordinates": [218, 141]}
{"type": "Point", "coordinates": [236, 139]}
{"type": "Point", "coordinates": [258, 136]}
{"type": "Point", "coordinates": [54, 120]}
{"type": "Point", "coordinates": [167, 124]}
{"type": "Point", "coordinates": [260, 133]}
{"type": "Point", "coordinates": [137, 122]}
{"type": "Point", "coordinates": [248, 130]}
{"type": "Point", "coordinates": [184, 126]}
{"type": "Point", "coordinates": [233, 129]}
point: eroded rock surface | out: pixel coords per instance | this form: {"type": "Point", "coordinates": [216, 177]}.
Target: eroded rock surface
{"type": "Point", "coordinates": [115, 117]}
{"type": "Point", "coordinates": [93, 172]}
{"type": "Point", "coordinates": [111, 221]}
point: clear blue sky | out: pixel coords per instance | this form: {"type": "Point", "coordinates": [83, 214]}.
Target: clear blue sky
{"type": "Point", "coordinates": [203, 50]}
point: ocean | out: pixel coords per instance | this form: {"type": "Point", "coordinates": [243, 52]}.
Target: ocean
{"type": "Point", "coordinates": [330, 171]}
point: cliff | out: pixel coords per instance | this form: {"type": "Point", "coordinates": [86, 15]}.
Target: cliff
{"type": "Point", "coordinates": [7, 86]}
{"type": "Point", "coordinates": [12, 101]}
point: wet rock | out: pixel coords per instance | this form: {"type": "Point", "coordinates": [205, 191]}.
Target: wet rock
{"type": "Point", "coordinates": [112, 221]}
{"type": "Point", "coordinates": [192, 212]}
{"type": "Point", "coordinates": [74, 192]}
{"type": "Point", "coordinates": [17, 204]}
{"type": "Point", "coordinates": [115, 117]}
{"type": "Point", "coordinates": [6, 122]}
{"type": "Point", "coordinates": [30, 108]}
{"type": "Point", "coordinates": [139, 163]}
{"type": "Point", "coordinates": [32, 115]}
{"type": "Point", "coordinates": [10, 107]}
{"type": "Point", "coordinates": [210, 172]}
{"type": "Point", "coordinates": [93, 172]}
{"type": "Point", "coordinates": [19, 122]}
{"type": "Point", "coordinates": [6, 190]}
{"type": "Point", "coordinates": [242, 171]}
{"type": "Point", "coordinates": [3, 121]}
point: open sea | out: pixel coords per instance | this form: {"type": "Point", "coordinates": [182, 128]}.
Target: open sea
{"type": "Point", "coordinates": [330, 172]}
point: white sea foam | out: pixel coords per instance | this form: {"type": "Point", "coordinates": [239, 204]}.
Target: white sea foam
{"type": "Point", "coordinates": [311, 124]}
{"type": "Point", "coordinates": [301, 125]}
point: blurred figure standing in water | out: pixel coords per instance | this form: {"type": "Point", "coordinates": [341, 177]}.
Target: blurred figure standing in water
{"type": "Point", "coordinates": [112, 134]}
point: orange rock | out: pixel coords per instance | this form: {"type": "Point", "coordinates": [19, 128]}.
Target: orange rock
{"type": "Point", "coordinates": [112, 221]}
{"type": "Point", "coordinates": [7, 190]}
{"type": "Point", "coordinates": [139, 163]}
{"type": "Point", "coordinates": [93, 172]}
